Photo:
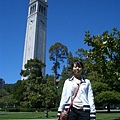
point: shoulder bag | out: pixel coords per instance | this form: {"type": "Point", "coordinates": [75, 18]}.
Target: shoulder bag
{"type": "Point", "coordinates": [64, 114]}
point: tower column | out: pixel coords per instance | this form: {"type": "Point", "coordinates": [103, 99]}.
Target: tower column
{"type": "Point", "coordinates": [35, 39]}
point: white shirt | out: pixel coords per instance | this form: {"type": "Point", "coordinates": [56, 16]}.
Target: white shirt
{"type": "Point", "coordinates": [84, 98]}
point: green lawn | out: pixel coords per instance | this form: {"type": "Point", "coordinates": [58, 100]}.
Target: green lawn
{"type": "Point", "coordinates": [107, 116]}
{"type": "Point", "coordinates": [41, 115]}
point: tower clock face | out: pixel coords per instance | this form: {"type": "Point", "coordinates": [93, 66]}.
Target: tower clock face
{"type": "Point", "coordinates": [31, 21]}
{"type": "Point", "coordinates": [31, 27]}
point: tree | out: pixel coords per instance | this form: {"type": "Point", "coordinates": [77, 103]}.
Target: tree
{"type": "Point", "coordinates": [6, 99]}
{"type": "Point", "coordinates": [33, 69]}
{"type": "Point", "coordinates": [83, 56]}
{"type": "Point", "coordinates": [18, 90]}
{"type": "Point", "coordinates": [32, 97]}
{"type": "Point", "coordinates": [66, 73]}
{"type": "Point", "coordinates": [104, 60]}
{"type": "Point", "coordinates": [8, 87]}
{"type": "Point", "coordinates": [58, 52]}
{"type": "Point", "coordinates": [49, 92]}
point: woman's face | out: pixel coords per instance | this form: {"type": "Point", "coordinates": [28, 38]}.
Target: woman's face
{"type": "Point", "coordinates": [77, 69]}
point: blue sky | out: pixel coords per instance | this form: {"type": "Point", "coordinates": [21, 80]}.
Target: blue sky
{"type": "Point", "coordinates": [67, 22]}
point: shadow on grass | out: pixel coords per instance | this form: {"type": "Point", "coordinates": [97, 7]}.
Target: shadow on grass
{"type": "Point", "coordinates": [117, 119]}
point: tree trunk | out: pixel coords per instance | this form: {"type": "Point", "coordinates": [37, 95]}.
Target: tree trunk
{"type": "Point", "coordinates": [108, 107]}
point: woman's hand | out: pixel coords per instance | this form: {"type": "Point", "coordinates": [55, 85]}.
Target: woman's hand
{"type": "Point", "coordinates": [58, 117]}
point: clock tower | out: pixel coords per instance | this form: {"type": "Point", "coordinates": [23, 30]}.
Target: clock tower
{"type": "Point", "coordinates": [35, 39]}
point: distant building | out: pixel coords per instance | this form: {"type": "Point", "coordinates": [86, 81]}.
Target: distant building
{"type": "Point", "coordinates": [35, 39]}
{"type": "Point", "coordinates": [2, 82]}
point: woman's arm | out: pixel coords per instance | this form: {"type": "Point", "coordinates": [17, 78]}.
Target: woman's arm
{"type": "Point", "coordinates": [91, 102]}
{"type": "Point", "coordinates": [63, 98]}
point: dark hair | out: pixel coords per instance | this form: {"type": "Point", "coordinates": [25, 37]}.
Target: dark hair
{"type": "Point", "coordinates": [78, 63]}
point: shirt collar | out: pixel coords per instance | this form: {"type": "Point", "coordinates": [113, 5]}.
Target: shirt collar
{"type": "Point", "coordinates": [82, 80]}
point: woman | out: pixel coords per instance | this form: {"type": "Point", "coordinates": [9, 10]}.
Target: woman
{"type": "Point", "coordinates": [83, 107]}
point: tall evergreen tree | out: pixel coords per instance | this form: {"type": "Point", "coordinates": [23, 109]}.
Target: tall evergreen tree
{"type": "Point", "coordinates": [58, 53]}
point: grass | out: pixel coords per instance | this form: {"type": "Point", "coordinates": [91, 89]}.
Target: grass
{"type": "Point", "coordinates": [25, 115]}
{"type": "Point", "coordinates": [107, 116]}
{"type": "Point", "coordinates": [41, 115]}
